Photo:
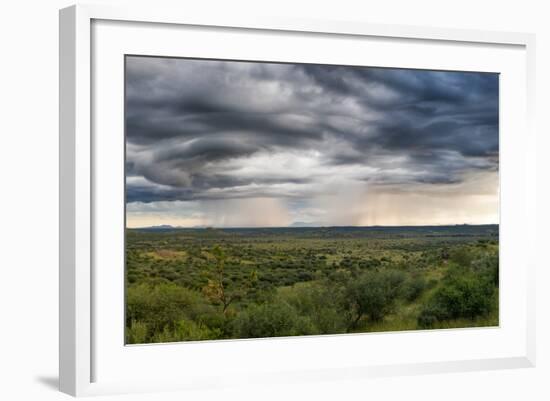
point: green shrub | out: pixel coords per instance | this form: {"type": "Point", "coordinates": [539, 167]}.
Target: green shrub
{"type": "Point", "coordinates": [160, 305]}
{"type": "Point", "coordinates": [462, 256]}
{"type": "Point", "coordinates": [137, 333]}
{"type": "Point", "coordinates": [318, 301]}
{"type": "Point", "coordinates": [431, 314]}
{"type": "Point", "coordinates": [271, 320]}
{"type": "Point", "coordinates": [372, 294]}
{"type": "Point", "coordinates": [487, 265]}
{"type": "Point", "coordinates": [186, 330]}
{"type": "Point", "coordinates": [413, 287]}
{"type": "Point", "coordinates": [463, 294]}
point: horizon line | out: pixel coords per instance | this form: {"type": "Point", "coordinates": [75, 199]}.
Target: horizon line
{"type": "Point", "coordinates": [306, 226]}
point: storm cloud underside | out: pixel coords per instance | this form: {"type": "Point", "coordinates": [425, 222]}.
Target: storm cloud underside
{"type": "Point", "coordinates": [261, 144]}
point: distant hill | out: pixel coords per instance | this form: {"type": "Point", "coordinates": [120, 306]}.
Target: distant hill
{"type": "Point", "coordinates": [162, 227]}
{"type": "Point", "coordinates": [459, 230]}
{"type": "Point", "coordinates": [304, 224]}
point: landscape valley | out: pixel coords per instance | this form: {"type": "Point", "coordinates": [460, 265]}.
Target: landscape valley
{"type": "Point", "coordinates": [189, 284]}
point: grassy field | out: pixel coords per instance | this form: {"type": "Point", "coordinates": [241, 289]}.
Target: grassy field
{"type": "Point", "coordinates": [205, 284]}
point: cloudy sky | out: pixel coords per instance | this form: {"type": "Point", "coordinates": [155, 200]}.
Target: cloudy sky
{"type": "Point", "coordinates": [243, 144]}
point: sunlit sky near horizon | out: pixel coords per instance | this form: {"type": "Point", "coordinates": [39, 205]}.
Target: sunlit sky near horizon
{"type": "Point", "coordinates": [248, 144]}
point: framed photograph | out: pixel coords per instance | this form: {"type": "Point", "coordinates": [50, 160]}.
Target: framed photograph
{"type": "Point", "coordinates": [275, 200]}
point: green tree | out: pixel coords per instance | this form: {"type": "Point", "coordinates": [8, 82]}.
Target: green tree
{"type": "Point", "coordinates": [217, 288]}
{"type": "Point", "coordinates": [372, 295]}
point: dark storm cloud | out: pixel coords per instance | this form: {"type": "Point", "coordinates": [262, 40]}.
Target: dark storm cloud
{"type": "Point", "coordinates": [200, 129]}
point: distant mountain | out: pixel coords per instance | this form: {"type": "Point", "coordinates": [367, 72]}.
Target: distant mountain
{"type": "Point", "coordinates": [168, 227]}
{"type": "Point", "coordinates": [162, 227]}
{"type": "Point", "coordinates": [304, 224]}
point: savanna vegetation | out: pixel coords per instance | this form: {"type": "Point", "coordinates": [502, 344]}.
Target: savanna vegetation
{"type": "Point", "coordinates": [208, 284]}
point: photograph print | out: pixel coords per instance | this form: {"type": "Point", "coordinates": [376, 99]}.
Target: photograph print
{"type": "Point", "coordinates": [284, 199]}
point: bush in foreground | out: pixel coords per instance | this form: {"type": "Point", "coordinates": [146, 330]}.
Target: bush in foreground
{"type": "Point", "coordinates": [463, 294]}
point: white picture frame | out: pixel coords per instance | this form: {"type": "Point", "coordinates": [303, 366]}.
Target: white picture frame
{"type": "Point", "coordinates": [80, 342]}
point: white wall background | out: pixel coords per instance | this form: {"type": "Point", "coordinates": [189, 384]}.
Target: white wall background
{"type": "Point", "coordinates": [29, 186]}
